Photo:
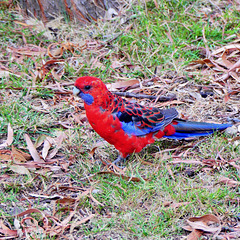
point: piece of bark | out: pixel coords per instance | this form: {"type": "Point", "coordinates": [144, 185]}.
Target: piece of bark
{"type": "Point", "coordinates": [85, 11]}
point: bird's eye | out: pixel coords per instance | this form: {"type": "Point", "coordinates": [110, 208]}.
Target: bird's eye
{"type": "Point", "coordinates": [87, 87]}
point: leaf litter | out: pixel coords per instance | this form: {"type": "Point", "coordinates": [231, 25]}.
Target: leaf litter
{"type": "Point", "coordinates": [45, 158]}
{"type": "Point", "coordinates": [21, 163]}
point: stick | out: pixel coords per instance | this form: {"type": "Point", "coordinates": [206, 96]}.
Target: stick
{"type": "Point", "coordinates": [169, 97]}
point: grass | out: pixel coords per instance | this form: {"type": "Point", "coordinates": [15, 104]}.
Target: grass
{"type": "Point", "coordinates": [153, 40]}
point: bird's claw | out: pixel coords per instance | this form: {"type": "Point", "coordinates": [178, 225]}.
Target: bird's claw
{"type": "Point", "coordinates": [119, 161]}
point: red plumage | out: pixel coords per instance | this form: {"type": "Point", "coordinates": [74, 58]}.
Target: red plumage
{"type": "Point", "coordinates": [108, 126]}
{"type": "Point", "coordinates": [130, 126]}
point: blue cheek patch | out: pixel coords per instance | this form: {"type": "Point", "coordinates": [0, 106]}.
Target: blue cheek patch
{"type": "Point", "coordinates": [87, 98]}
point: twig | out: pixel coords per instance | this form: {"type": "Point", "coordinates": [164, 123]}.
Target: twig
{"type": "Point", "coordinates": [169, 97]}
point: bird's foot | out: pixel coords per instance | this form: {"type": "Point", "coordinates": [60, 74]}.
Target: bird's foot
{"type": "Point", "coordinates": [119, 161]}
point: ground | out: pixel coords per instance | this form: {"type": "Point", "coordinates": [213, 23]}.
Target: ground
{"type": "Point", "coordinates": [54, 180]}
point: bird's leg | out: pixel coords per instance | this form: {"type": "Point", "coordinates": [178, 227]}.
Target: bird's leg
{"type": "Point", "coordinates": [120, 160]}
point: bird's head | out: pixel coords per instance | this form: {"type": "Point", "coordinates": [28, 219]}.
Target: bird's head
{"type": "Point", "coordinates": [90, 89]}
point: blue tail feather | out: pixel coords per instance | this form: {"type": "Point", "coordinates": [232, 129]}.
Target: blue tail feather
{"type": "Point", "coordinates": [195, 129]}
{"type": "Point", "coordinates": [179, 135]}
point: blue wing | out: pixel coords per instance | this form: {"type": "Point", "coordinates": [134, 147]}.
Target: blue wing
{"type": "Point", "coordinates": [138, 120]}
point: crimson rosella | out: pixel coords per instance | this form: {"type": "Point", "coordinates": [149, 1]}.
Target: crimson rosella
{"type": "Point", "coordinates": [131, 126]}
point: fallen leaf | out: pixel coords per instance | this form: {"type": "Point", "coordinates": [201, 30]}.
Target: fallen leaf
{"type": "Point", "coordinates": [32, 149]}
{"type": "Point", "coordinates": [123, 84]}
{"type": "Point", "coordinates": [20, 170]}
{"type": "Point", "coordinates": [228, 47]}
{"type": "Point", "coordinates": [195, 235]}
{"type": "Point", "coordinates": [9, 137]}
{"type": "Point", "coordinates": [58, 73]}
{"type": "Point", "coordinates": [92, 151]}
{"type": "Point", "coordinates": [9, 233]}
{"type": "Point", "coordinates": [59, 141]}
{"type": "Point", "coordinates": [66, 201]}
{"type": "Point", "coordinates": [226, 62]}
{"type": "Point", "coordinates": [206, 223]}
{"type": "Point", "coordinates": [5, 155]}
{"type": "Point", "coordinates": [18, 227]}
{"type": "Point", "coordinates": [46, 146]}
{"type": "Point", "coordinates": [17, 155]}
{"type": "Point", "coordinates": [40, 140]}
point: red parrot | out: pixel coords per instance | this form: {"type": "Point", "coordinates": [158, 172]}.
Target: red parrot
{"type": "Point", "coordinates": [131, 126]}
